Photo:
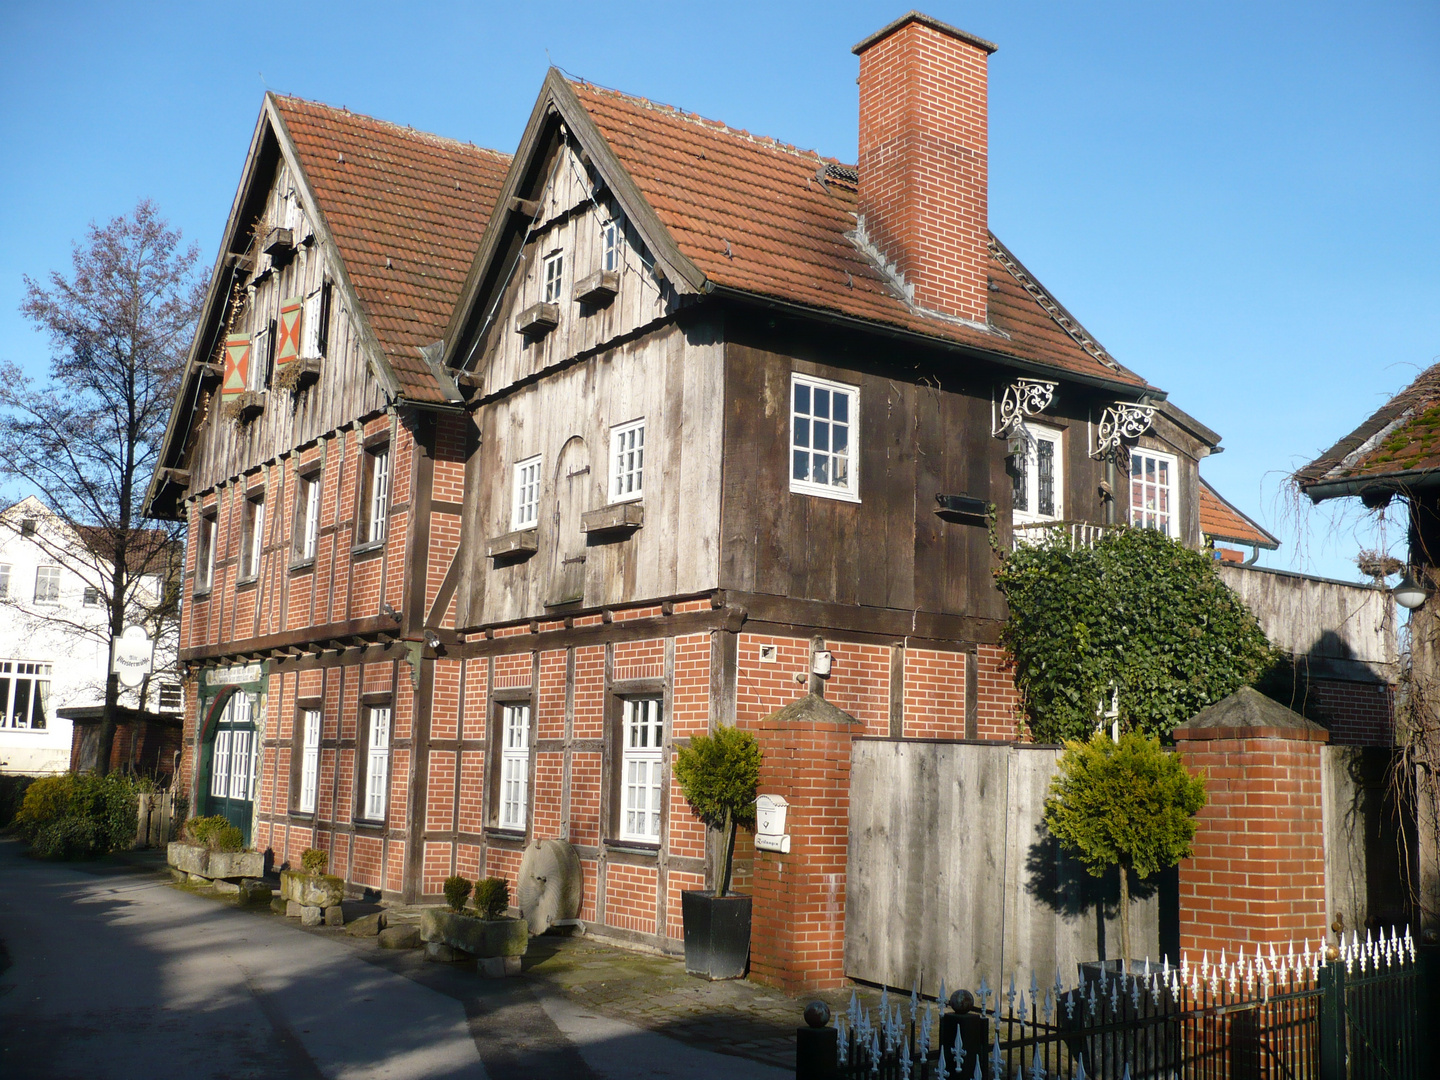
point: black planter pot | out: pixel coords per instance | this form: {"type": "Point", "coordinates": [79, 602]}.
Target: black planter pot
{"type": "Point", "coordinates": [717, 934]}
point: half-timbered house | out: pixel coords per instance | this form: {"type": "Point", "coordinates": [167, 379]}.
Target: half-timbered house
{"type": "Point", "coordinates": [505, 477]}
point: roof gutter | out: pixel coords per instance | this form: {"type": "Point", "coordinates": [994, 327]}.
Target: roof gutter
{"type": "Point", "coordinates": [1399, 483]}
{"type": "Point", "coordinates": [849, 322]}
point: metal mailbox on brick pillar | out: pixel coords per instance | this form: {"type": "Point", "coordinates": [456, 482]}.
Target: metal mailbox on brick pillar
{"type": "Point", "coordinates": [797, 937]}
{"type": "Point", "coordinates": [1257, 876]}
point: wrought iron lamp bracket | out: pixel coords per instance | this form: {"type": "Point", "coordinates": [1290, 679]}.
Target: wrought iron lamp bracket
{"type": "Point", "coordinates": [1120, 421]}
{"type": "Point", "coordinates": [1022, 398]}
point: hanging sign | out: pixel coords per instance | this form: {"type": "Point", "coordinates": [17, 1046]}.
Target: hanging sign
{"type": "Point", "coordinates": [237, 365]}
{"type": "Point", "coordinates": [134, 656]}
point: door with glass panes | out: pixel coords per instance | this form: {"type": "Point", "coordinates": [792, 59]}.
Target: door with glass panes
{"type": "Point", "coordinates": [230, 755]}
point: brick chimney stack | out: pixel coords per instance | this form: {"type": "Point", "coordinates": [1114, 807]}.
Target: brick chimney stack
{"type": "Point", "coordinates": [924, 160]}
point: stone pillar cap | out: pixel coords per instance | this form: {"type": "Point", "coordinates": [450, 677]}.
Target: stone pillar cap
{"type": "Point", "coordinates": [1249, 714]}
{"type": "Point", "coordinates": [810, 709]}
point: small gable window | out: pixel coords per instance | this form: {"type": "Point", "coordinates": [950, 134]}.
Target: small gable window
{"type": "Point", "coordinates": [1152, 491]}
{"type": "Point", "coordinates": [1038, 493]}
{"type": "Point", "coordinates": [525, 507]}
{"type": "Point", "coordinates": [554, 276]}
{"type": "Point", "coordinates": [610, 241]}
{"type": "Point", "coordinates": [627, 461]}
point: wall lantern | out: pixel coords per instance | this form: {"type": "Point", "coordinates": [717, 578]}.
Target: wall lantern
{"type": "Point", "coordinates": [1410, 594]}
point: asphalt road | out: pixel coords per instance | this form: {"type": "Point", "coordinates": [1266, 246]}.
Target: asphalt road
{"type": "Point", "coordinates": [112, 973]}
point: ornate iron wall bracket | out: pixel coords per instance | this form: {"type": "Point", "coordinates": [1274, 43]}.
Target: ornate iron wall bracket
{"type": "Point", "coordinates": [1024, 397]}
{"type": "Point", "coordinates": [1123, 420]}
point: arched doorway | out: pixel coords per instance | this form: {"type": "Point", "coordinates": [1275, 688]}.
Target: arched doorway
{"type": "Point", "coordinates": [229, 757]}
{"type": "Point", "coordinates": [573, 484]}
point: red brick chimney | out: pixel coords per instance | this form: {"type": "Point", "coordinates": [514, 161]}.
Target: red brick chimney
{"type": "Point", "coordinates": [924, 160]}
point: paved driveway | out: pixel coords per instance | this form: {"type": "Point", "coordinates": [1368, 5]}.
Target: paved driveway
{"type": "Point", "coordinates": [114, 973]}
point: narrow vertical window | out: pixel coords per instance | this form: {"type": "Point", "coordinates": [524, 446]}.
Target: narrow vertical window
{"type": "Point", "coordinates": [205, 554]}
{"type": "Point", "coordinates": [252, 537]}
{"type": "Point", "coordinates": [514, 765]}
{"type": "Point", "coordinates": [220, 765]}
{"type": "Point", "coordinates": [377, 763]}
{"type": "Point", "coordinates": [627, 461]}
{"type": "Point", "coordinates": [642, 759]}
{"type": "Point", "coordinates": [4, 581]}
{"type": "Point", "coordinates": [525, 506]}
{"type": "Point", "coordinates": [377, 510]}
{"type": "Point", "coordinates": [554, 277]}
{"type": "Point", "coordinates": [822, 418]}
{"type": "Point", "coordinates": [1152, 491]}
{"type": "Point", "coordinates": [307, 517]}
{"type": "Point", "coordinates": [47, 585]}
{"type": "Point", "coordinates": [309, 759]}
{"type": "Point", "coordinates": [610, 241]}
{"type": "Point", "coordinates": [1038, 490]}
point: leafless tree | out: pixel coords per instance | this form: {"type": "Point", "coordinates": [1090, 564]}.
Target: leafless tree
{"type": "Point", "coordinates": [87, 438]}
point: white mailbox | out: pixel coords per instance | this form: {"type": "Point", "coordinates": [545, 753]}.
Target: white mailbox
{"type": "Point", "coordinates": [770, 832]}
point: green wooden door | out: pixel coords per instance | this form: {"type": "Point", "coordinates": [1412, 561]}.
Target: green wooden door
{"type": "Point", "coordinates": [231, 754]}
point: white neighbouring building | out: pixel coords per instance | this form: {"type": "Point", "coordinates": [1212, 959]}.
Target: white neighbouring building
{"type": "Point", "coordinates": [53, 650]}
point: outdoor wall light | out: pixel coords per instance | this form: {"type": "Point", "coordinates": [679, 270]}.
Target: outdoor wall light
{"type": "Point", "coordinates": [1410, 594]}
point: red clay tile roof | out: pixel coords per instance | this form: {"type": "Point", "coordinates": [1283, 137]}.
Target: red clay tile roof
{"type": "Point", "coordinates": [765, 218]}
{"type": "Point", "coordinates": [1221, 521]}
{"type": "Point", "coordinates": [1401, 437]}
{"type": "Point", "coordinates": [417, 200]}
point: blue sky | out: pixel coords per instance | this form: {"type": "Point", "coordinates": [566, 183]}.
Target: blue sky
{"type": "Point", "coordinates": [1239, 200]}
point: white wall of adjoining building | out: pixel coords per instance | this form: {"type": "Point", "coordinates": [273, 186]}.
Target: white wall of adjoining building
{"type": "Point", "coordinates": [65, 636]}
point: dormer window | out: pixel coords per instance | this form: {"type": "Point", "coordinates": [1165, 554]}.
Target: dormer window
{"type": "Point", "coordinates": [554, 276]}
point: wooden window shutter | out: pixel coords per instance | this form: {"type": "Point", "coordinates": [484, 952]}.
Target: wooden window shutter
{"type": "Point", "coordinates": [291, 318]}
{"type": "Point", "coordinates": [237, 365]}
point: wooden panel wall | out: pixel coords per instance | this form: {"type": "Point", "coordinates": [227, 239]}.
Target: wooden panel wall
{"type": "Point", "coordinates": [672, 378]}
{"type": "Point", "coordinates": [346, 389]}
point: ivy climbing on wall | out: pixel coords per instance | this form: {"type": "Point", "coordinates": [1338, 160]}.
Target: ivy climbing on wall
{"type": "Point", "coordinates": [1137, 618]}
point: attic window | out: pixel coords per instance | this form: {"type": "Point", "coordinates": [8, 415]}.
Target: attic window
{"type": "Point", "coordinates": [610, 240]}
{"type": "Point", "coordinates": [28, 527]}
{"type": "Point", "coordinates": [554, 276]}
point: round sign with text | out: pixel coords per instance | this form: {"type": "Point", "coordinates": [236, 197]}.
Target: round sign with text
{"type": "Point", "coordinates": [134, 654]}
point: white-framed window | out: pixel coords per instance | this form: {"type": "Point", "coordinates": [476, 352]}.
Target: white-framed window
{"type": "Point", "coordinates": [525, 501]}
{"type": "Point", "coordinates": [1152, 491]}
{"type": "Point", "coordinates": [24, 694]}
{"type": "Point", "coordinates": [252, 537]}
{"type": "Point", "coordinates": [172, 697]}
{"type": "Point", "coordinates": [91, 597]}
{"type": "Point", "coordinates": [4, 581]}
{"type": "Point", "coordinates": [205, 553]}
{"type": "Point", "coordinates": [307, 517]}
{"type": "Point", "coordinates": [514, 764]}
{"type": "Point", "coordinates": [220, 764]}
{"type": "Point", "coordinates": [823, 417]}
{"type": "Point", "coordinates": [377, 763]}
{"type": "Point", "coordinates": [627, 461]}
{"type": "Point", "coordinates": [642, 760]}
{"type": "Point", "coordinates": [241, 759]}
{"type": "Point", "coordinates": [377, 494]}
{"type": "Point", "coordinates": [47, 585]}
{"type": "Point", "coordinates": [232, 766]}
{"type": "Point", "coordinates": [29, 526]}
{"type": "Point", "coordinates": [1038, 488]}
{"type": "Point", "coordinates": [262, 358]}
{"type": "Point", "coordinates": [610, 246]}
{"type": "Point", "coordinates": [309, 759]}
{"type": "Point", "coordinates": [554, 276]}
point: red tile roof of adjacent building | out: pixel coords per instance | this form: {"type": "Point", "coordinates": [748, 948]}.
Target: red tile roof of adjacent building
{"type": "Point", "coordinates": [1221, 521]}
{"type": "Point", "coordinates": [761, 217]}
{"type": "Point", "coordinates": [1401, 438]}
{"type": "Point", "coordinates": [406, 210]}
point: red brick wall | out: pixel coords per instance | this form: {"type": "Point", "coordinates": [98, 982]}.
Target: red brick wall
{"type": "Point", "coordinates": [1258, 872]}
{"type": "Point", "coordinates": [1361, 714]}
{"type": "Point", "coordinates": [998, 713]}
{"type": "Point", "coordinates": [924, 164]}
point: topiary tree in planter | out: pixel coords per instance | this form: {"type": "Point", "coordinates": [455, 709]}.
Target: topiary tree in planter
{"type": "Point", "coordinates": [718, 775]}
{"type": "Point", "coordinates": [1129, 805]}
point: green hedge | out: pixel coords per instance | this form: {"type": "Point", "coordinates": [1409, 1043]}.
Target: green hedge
{"type": "Point", "coordinates": [73, 816]}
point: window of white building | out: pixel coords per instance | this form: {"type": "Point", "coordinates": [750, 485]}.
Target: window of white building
{"type": "Point", "coordinates": [24, 694]}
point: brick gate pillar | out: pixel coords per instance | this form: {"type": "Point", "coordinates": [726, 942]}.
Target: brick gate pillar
{"type": "Point", "coordinates": [1257, 875]}
{"type": "Point", "coordinates": [797, 936]}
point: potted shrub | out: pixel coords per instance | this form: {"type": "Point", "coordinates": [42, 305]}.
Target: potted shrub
{"type": "Point", "coordinates": [486, 932]}
{"type": "Point", "coordinates": [312, 887]}
{"type": "Point", "coordinates": [718, 775]}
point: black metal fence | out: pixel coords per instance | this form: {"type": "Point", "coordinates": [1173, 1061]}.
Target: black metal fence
{"type": "Point", "coordinates": [1282, 1017]}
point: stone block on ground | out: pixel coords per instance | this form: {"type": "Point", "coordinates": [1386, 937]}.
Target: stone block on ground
{"type": "Point", "coordinates": [440, 953]}
{"type": "Point", "coordinates": [236, 864]}
{"type": "Point", "coordinates": [255, 891]}
{"type": "Point", "coordinates": [366, 925]}
{"type": "Point", "coordinates": [292, 908]}
{"type": "Point", "coordinates": [334, 915]}
{"type": "Point", "coordinates": [310, 915]}
{"type": "Point", "coordinates": [400, 937]}
{"type": "Point", "coordinates": [227, 888]}
{"type": "Point", "coordinates": [497, 967]}
{"type": "Point", "coordinates": [479, 937]}
{"type": "Point", "coordinates": [316, 890]}
{"type": "Point", "coordinates": [200, 879]}
{"type": "Point", "coordinates": [278, 904]}
{"type": "Point", "coordinates": [191, 858]}
{"type": "Point", "coordinates": [180, 877]}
